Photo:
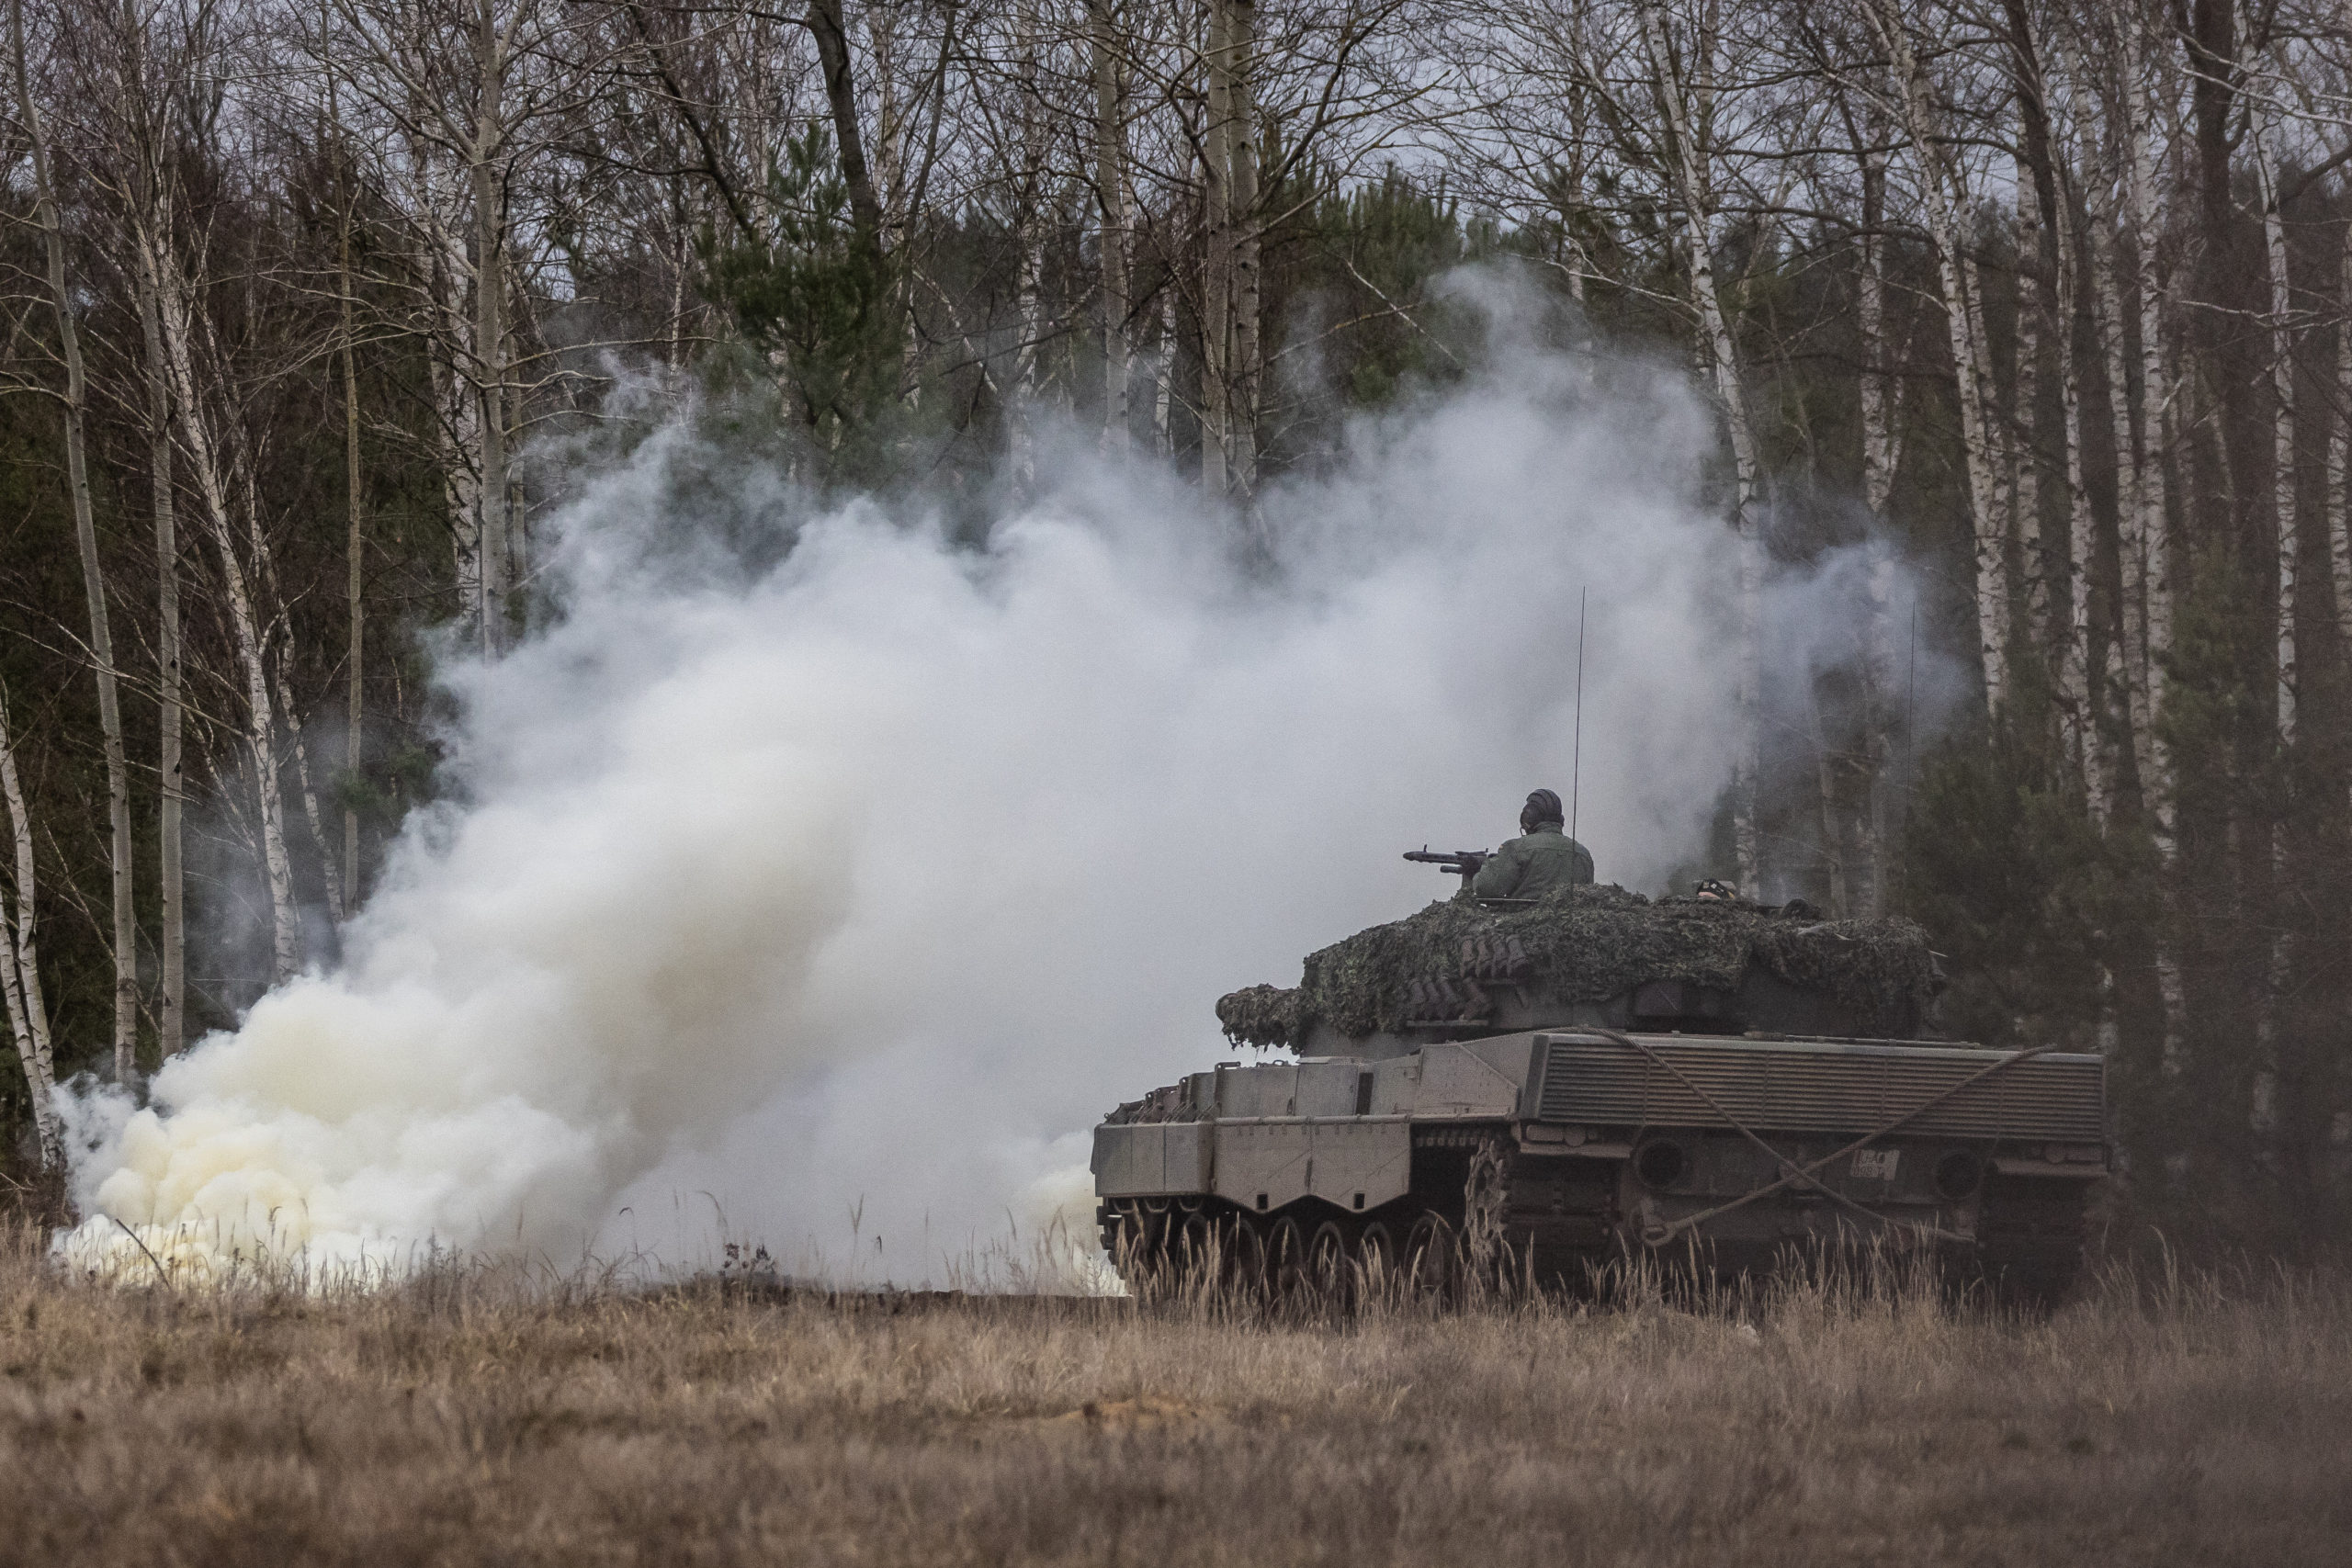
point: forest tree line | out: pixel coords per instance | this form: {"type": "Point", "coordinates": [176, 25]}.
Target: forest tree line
{"type": "Point", "coordinates": [2045, 307]}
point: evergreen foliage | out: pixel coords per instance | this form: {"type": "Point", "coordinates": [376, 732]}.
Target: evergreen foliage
{"type": "Point", "coordinates": [816, 299]}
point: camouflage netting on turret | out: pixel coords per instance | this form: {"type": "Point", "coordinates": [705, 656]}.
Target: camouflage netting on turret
{"type": "Point", "coordinates": [1600, 943]}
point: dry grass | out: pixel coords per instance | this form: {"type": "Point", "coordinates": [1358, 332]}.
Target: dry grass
{"type": "Point", "coordinates": [475, 1418]}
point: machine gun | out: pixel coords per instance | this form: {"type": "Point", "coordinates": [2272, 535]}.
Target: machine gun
{"type": "Point", "coordinates": [1464, 863]}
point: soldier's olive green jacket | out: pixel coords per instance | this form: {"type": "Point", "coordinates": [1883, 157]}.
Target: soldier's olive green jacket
{"type": "Point", "coordinates": [1531, 867]}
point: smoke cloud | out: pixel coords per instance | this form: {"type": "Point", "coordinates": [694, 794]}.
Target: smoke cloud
{"type": "Point", "coordinates": [845, 894]}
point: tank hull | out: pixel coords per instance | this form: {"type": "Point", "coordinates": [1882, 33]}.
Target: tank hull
{"type": "Point", "coordinates": [1553, 1154]}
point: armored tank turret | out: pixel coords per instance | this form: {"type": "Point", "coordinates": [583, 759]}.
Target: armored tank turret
{"type": "Point", "coordinates": [1549, 1086]}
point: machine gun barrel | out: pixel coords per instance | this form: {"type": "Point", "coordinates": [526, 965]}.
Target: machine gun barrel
{"type": "Point", "coordinates": [1464, 863]}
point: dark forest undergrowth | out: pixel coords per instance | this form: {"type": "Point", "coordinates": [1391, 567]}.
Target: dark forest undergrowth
{"type": "Point", "coordinates": [476, 1415]}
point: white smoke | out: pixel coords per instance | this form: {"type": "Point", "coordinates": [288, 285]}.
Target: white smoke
{"type": "Point", "coordinates": [846, 894]}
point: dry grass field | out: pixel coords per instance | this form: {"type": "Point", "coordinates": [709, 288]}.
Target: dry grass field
{"type": "Point", "coordinates": [472, 1417]}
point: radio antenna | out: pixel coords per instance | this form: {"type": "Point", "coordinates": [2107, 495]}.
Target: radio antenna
{"type": "Point", "coordinates": [1910, 722]}
{"type": "Point", "coordinates": [1575, 756]}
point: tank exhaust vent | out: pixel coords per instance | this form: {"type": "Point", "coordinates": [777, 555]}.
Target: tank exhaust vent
{"type": "Point", "coordinates": [1807, 1086]}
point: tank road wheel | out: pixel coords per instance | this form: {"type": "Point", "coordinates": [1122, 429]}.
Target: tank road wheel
{"type": "Point", "coordinates": [1242, 1247]}
{"type": "Point", "coordinates": [1375, 1260]}
{"type": "Point", "coordinates": [1432, 1257]}
{"type": "Point", "coordinates": [1329, 1280]}
{"type": "Point", "coordinates": [1286, 1266]}
{"type": "Point", "coordinates": [1192, 1244]}
{"type": "Point", "coordinates": [1132, 1241]}
{"type": "Point", "coordinates": [1155, 1227]}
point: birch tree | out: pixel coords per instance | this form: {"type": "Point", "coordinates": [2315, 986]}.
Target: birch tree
{"type": "Point", "coordinates": [2339, 452]}
{"type": "Point", "coordinates": [1686, 157]}
{"type": "Point", "coordinates": [1218, 203]}
{"type": "Point", "coordinates": [144, 190]}
{"type": "Point", "coordinates": [2262, 134]}
{"type": "Point", "coordinates": [1253, 100]}
{"type": "Point", "coordinates": [1029, 239]}
{"type": "Point", "coordinates": [2029, 169]}
{"type": "Point", "coordinates": [1114, 202]}
{"type": "Point", "coordinates": [1943, 198]}
{"type": "Point", "coordinates": [2077, 233]}
{"type": "Point", "coordinates": [355, 503]}
{"type": "Point", "coordinates": [1881, 455]}
{"type": "Point", "coordinates": [2145, 542]}
{"type": "Point", "coordinates": [200, 386]}
{"type": "Point", "coordinates": [20, 963]}
{"type": "Point", "coordinates": [86, 542]}
{"type": "Point", "coordinates": [471, 92]}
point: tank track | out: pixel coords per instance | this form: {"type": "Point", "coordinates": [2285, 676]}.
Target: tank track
{"type": "Point", "coordinates": [1478, 1212]}
{"type": "Point", "coordinates": [1552, 1223]}
{"type": "Point", "coordinates": [1164, 1250]}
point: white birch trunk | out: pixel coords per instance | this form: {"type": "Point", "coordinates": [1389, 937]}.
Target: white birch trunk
{"type": "Point", "coordinates": [2074, 660]}
{"type": "Point", "coordinates": [1113, 197]}
{"type": "Point", "coordinates": [2106, 291]}
{"type": "Point", "coordinates": [1021, 400]}
{"type": "Point", "coordinates": [2026, 488]}
{"type": "Point", "coordinates": [1984, 457]}
{"type": "Point", "coordinates": [1997, 436]}
{"type": "Point", "coordinates": [125, 936]}
{"type": "Point", "coordinates": [1690, 175]}
{"type": "Point", "coordinates": [2172, 987]}
{"type": "Point", "coordinates": [1833, 849]}
{"type": "Point", "coordinates": [1882, 454]}
{"type": "Point", "coordinates": [148, 230]}
{"type": "Point", "coordinates": [457, 405]}
{"type": "Point", "coordinates": [1572, 169]}
{"type": "Point", "coordinates": [2109, 335]}
{"type": "Point", "coordinates": [459, 437]}
{"type": "Point", "coordinates": [2339, 462]}
{"type": "Point", "coordinates": [1937, 186]}
{"type": "Point", "coordinates": [2088, 702]}
{"type": "Point", "coordinates": [2148, 621]}
{"type": "Point", "coordinates": [489, 321]}
{"type": "Point", "coordinates": [518, 533]}
{"type": "Point", "coordinates": [2147, 626]}
{"type": "Point", "coordinates": [171, 1000]}
{"type": "Point", "coordinates": [1247, 342]}
{"type": "Point", "coordinates": [889, 120]}
{"type": "Point", "coordinates": [20, 966]}
{"type": "Point", "coordinates": [2260, 131]}
{"type": "Point", "coordinates": [2133, 458]}
{"type": "Point", "coordinates": [1164, 397]}
{"type": "Point", "coordinates": [1216, 259]}
{"type": "Point", "coordinates": [305, 790]}
{"type": "Point", "coordinates": [355, 556]}
{"type": "Point", "coordinates": [213, 488]}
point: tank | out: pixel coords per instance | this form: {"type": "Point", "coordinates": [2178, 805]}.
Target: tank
{"type": "Point", "coordinates": [1544, 1088]}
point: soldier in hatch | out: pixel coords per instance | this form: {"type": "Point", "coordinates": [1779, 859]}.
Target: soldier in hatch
{"type": "Point", "coordinates": [1541, 860]}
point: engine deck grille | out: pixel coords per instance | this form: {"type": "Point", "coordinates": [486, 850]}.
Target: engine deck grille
{"type": "Point", "coordinates": [1813, 1086]}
